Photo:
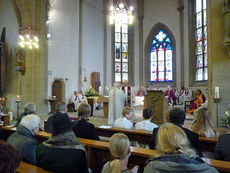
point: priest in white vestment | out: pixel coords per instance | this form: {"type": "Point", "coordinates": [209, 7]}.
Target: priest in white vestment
{"type": "Point", "coordinates": [116, 103]}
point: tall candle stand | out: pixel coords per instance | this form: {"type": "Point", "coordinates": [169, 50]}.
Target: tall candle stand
{"type": "Point", "coordinates": [18, 102]}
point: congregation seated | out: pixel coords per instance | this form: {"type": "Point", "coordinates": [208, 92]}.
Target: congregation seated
{"type": "Point", "coordinates": [23, 139]}
{"type": "Point", "coordinates": [146, 124]}
{"type": "Point", "coordinates": [62, 152]}
{"type": "Point", "coordinates": [176, 155]}
{"type": "Point", "coordinates": [197, 101]}
{"type": "Point", "coordinates": [84, 129]}
{"type": "Point", "coordinates": [125, 121]}
{"type": "Point", "coordinates": [9, 158]}
{"type": "Point", "coordinates": [203, 125]}
{"type": "Point", "coordinates": [177, 117]}
{"type": "Point", "coordinates": [29, 108]}
{"type": "Point", "coordinates": [222, 151]}
{"type": "Point", "coordinates": [119, 147]}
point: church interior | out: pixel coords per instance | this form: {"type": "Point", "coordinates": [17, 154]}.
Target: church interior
{"type": "Point", "coordinates": [51, 48]}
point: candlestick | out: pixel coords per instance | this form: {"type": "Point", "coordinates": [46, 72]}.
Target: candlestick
{"type": "Point", "coordinates": [99, 90]}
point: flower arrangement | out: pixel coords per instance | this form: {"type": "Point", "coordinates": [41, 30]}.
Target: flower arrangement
{"type": "Point", "coordinates": [226, 119]}
{"type": "Point", "coordinates": [90, 92]}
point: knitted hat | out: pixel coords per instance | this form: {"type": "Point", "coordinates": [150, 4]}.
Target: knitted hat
{"type": "Point", "coordinates": [61, 123]}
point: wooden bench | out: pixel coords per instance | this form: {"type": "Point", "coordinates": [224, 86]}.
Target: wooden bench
{"type": "Point", "coordinates": [143, 137]}
{"type": "Point", "coordinates": [98, 153]}
{"type": "Point", "coordinates": [28, 168]}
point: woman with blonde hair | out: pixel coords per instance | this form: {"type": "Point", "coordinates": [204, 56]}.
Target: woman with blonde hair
{"type": "Point", "coordinates": [203, 125]}
{"type": "Point", "coordinates": [176, 155]}
{"type": "Point", "coordinates": [120, 149]}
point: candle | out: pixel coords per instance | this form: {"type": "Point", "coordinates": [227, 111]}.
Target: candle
{"type": "Point", "coordinates": [18, 97]}
{"type": "Point", "coordinates": [99, 90]}
{"type": "Point", "coordinates": [217, 92]}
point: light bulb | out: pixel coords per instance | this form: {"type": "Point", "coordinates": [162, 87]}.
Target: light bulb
{"type": "Point", "coordinates": [36, 39]}
{"type": "Point", "coordinates": [36, 45]}
{"type": "Point", "coordinates": [131, 8]}
{"type": "Point", "coordinates": [111, 8]}
{"type": "Point", "coordinates": [121, 5]}
{"type": "Point", "coordinates": [27, 36]}
{"type": "Point", "coordinates": [48, 35]}
{"type": "Point", "coordinates": [21, 37]}
{"type": "Point", "coordinates": [30, 46]}
{"type": "Point", "coordinates": [21, 44]}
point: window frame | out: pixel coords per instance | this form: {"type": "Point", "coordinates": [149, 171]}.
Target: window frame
{"type": "Point", "coordinates": [148, 46]}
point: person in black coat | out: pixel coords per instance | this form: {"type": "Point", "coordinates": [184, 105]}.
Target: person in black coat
{"type": "Point", "coordinates": [84, 129]}
{"type": "Point", "coordinates": [62, 152]}
{"type": "Point", "coordinates": [177, 117]}
{"type": "Point", "coordinates": [222, 151]}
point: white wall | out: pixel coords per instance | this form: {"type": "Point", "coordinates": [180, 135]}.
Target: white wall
{"type": "Point", "coordinates": [63, 45]}
{"type": "Point", "coordinates": [165, 12]}
{"type": "Point", "coordinates": [92, 40]}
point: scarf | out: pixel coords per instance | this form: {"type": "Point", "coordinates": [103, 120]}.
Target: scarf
{"type": "Point", "coordinates": [65, 140]}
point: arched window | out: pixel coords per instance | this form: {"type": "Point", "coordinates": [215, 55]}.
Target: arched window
{"type": "Point", "coordinates": [161, 58]}
{"type": "Point", "coordinates": [201, 40]}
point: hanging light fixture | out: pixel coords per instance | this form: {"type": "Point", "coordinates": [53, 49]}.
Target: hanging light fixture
{"type": "Point", "coordinates": [121, 13]}
{"type": "Point", "coordinates": [28, 38]}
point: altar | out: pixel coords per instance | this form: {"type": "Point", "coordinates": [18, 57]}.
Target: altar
{"type": "Point", "coordinates": [105, 101]}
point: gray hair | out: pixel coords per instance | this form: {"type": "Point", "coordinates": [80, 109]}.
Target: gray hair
{"type": "Point", "coordinates": [116, 85]}
{"type": "Point", "coordinates": [60, 106]}
{"type": "Point", "coordinates": [30, 108]}
{"type": "Point", "coordinates": [30, 122]}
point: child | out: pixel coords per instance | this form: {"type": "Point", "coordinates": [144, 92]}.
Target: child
{"type": "Point", "coordinates": [146, 124]}
{"type": "Point", "coordinates": [120, 149]}
{"type": "Point", "coordinates": [124, 122]}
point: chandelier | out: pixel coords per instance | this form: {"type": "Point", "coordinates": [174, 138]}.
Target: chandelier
{"type": "Point", "coordinates": [28, 37]}
{"type": "Point", "coordinates": [121, 13]}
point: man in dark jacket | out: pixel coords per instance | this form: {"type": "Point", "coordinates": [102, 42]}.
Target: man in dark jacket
{"type": "Point", "coordinates": [23, 139]}
{"type": "Point", "coordinates": [84, 129]}
{"type": "Point", "coordinates": [62, 152]}
{"type": "Point", "coordinates": [177, 117]}
{"type": "Point", "coordinates": [222, 151]}
{"type": "Point", "coordinates": [30, 108]}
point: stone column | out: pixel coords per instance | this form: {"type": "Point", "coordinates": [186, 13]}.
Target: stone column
{"type": "Point", "coordinates": [33, 85]}
{"type": "Point", "coordinates": [218, 61]}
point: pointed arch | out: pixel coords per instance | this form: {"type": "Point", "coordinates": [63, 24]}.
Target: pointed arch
{"type": "Point", "coordinates": [163, 81]}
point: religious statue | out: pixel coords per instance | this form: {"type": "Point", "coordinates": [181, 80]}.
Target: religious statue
{"type": "Point", "coordinates": [226, 12]}
{"type": "Point", "coordinates": [21, 61]}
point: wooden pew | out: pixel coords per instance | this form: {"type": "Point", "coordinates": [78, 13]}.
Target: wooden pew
{"type": "Point", "coordinates": [28, 168]}
{"type": "Point", "coordinates": [143, 137]}
{"type": "Point", "coordinates": [98, 153]}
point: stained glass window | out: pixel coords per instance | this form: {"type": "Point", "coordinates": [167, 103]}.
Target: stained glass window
{"type": "Point", "coordinates": [121, 51]}
{"type": "Point", "coordinates": [161, 58]}
{"type": "Point", "coordinates": [201, 40]}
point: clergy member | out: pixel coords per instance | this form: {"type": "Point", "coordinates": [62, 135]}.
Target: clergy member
{"type": "Point", "coordinates": [75, 100]}
{"type": "Point", "coordinates": [116, 103]}
{"type": "Point", "coordinates": [128, 91]}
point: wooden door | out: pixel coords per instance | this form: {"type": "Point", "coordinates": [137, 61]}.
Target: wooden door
{"type": "Point", "coordinates": [57, 90]}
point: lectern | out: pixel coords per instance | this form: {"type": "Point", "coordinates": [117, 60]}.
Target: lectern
{"type": "Point", "coordinates": [155, 100]}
